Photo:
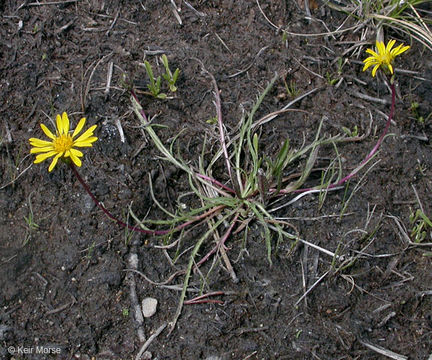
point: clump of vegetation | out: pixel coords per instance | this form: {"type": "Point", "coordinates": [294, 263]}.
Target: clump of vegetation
{"type": "Point", "coordinates": [254, 185]}
{"type": "Point", "coordinates": [421, 225]}
{"type": "Point", "coordinates": [402, 16]}
{"type": "Point", "coordinates": [155, 82]}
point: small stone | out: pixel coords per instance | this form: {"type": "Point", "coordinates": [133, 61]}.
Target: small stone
{"type": "Point", "coordinates": [149, 306]}
{"type": "Point", "coordinates": [146, 356]}
{"type": "Point", "coordinates": [88, 203]}
{"type": "Point", "coordinates": [5, 331]}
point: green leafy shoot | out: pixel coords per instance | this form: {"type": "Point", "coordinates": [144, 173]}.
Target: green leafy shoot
{"type": "Point", "coordinates": [169, 77]}
{"type": "Point", "coordinates": [351, 133]}
{"type": "Point", "coordinates": [277, 166]}
{"type": "Point", "coordinates": [331, 79]}
{"type": "Point", "coordinates": [291, 88]}
{"type": "Point", "coordinates": [155, 83]}
{"type": "Point", "coordinates": [30, 221]}
{"type": "Point", "coordinates": [421, 224]}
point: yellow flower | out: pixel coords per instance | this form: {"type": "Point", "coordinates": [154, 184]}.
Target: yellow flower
{"type": "Point", "coordinates": [384, 57]}
{"type": "Point", "coordinates": [62, 144]}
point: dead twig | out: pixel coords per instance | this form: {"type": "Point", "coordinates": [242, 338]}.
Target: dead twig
{"type": "Point", "coordinates": [171, 278]}
{"type": "Point", "coordinates": [19, 175]}
{"type": "Point", "coordinates": [113, 23]}
{"type": "Point", "coordinates": [250, 65]}
{"type": "Point", "coordinates": [109, 77]}
{"type": "Point", "coordinates": [370, 98]}
{"type": "Point", "coordinates": [383, 351]}
{"type": "Point", "coordinates": [150, 340]}
{"type": "Point", "coordinates": [312, 287]}
{"type": "Point", "coordinates": [309, 70]}
{"type": "Point", "coordinates": [59, 309]}
{"type": "Point", "coordinates": [251, 330]}
{"type": "Point", "coordinates": [199, 13]}
{"type": "Point", "coordinates": [87, 86]}
{"type": "Point", "coordinates": [404, 235]}
{"type": "Point", "coordinates": [139, 318]}
{"type": "Point", "coordinates": [48, 3]}
{"type": "Point", "coordinates": [120, 129]}
{"type": "Point", "coordinates": [176, 11]}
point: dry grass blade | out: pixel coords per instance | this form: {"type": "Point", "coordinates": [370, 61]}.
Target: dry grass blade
{"type": "Point", "coordinates": [150, 340]}
{"type": "Point", "coordinates": [385, 352]}
{"type": "Point", "coordinates": [419, 32]}
{"type": "Point", "coordinates": [312, 287]}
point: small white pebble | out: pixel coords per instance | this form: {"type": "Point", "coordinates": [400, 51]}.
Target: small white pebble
{"type": "Point", "coordinates": [149, 306]}
{"type": "Point", "coordinates": [133, 261]}
{"type": "Point", "coordinates": [146, 356]}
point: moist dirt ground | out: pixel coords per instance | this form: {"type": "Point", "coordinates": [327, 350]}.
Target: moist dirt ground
{"type": "Point", "coordinates": [66, 284]}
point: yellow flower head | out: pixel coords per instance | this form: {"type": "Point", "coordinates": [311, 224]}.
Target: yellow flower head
{"type": "Point", "coordinates": [384, 56]}
{"type": "Point", "coordinates": [62, 144]}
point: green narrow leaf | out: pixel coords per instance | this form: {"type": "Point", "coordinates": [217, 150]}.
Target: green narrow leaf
{"type": "Point", "coordinates": [175, 76]}
{"type": "Point", "coordinates": [165, 62]}
{"type": "Point", "coordinates": [149, 70]}
{"type": "Point", "coordinates": [280, 159]}
{"type": "Point", "coordinates": [255, 143]}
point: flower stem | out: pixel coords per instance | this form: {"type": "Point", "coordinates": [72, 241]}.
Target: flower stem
{"type": "Point", "coordinates": [107, 213]}
{"type": "Point", "coordinates": [371, 153]}
{"type": "Point", "coordinates": [377, 145]}
{"type": "Point", "coordinates": [209, 213]}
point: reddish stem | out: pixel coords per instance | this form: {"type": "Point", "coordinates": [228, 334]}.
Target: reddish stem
{"type": "Point", "coordinates": [221, 242]}
{"type": "Point", "coordinates": [202, 298]}
{"type": "Point", "coordinates": [106, 212]}
{"type": "Point", "coordinates": [214, 181]}
{"type": "Point", "coordinates": [372, 152]}
{"type": "Point", "coordinates": [208, 213]}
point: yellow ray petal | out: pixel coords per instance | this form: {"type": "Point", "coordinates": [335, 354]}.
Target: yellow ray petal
{"type": "Point", "coordinates": [54, 162]}
{"type": "Point", "coordinates": [380, 47]}
{"type": "Point", "coordinates": [367, 66]}
{"type": "Point", "coordinates": [87, 134]}
{"type": "Point", "coordinates": [65, 121]}
{"type": "Point", "coordinates": [86, 142]}
{"type": "Point", "coordinates": [76, 152]}
{"type": "Point", "coordinates": [79, 127]}
{"type": "Point", "coordinates": [76, 160]}
{"type": "Point", "coordinates": [39, 142]}
{"type": "Point", "coordinates": [36, 150]}
{"type": "Point", "coordinates": [370, 61]}
{"type": "Point", "coordinates": [47, 131]}
{"type": "Point", "coordinates": [374, 70]}
{"type": "Point", "coordinates": [59, 124]}
{"type": "Point", "coordinates": [400, 49]}
{"type": "Point", "coordinates": [373, 53]}
{"type": "Point", "coordinates": [42, 157]}
{"type": "Point", "coordinates": [390, 45]}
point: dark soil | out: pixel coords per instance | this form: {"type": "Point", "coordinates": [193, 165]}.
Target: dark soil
{"type": "Point", "coordinates": [64, 283]}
